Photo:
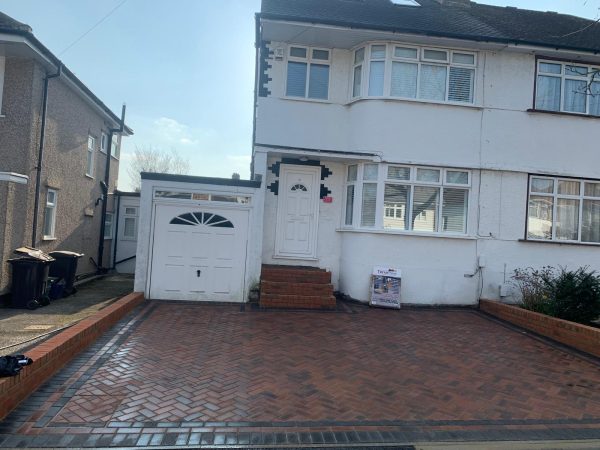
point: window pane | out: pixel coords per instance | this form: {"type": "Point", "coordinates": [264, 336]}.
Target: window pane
{"type": "Point", "coordinates": [567, 219]}
{"type": "Point", "coordinates": [539, 224]}
{"type": "Point", "coordinates": [403, 52]}
{"type": "Point", "coordinates": [578, 71]}
{"type": "Point", "coordinates": [594, 98]}
{"type": "Point", "coordinates": [428, 175]}
{"type": "Point", "coordinates": [90, 163]}
{"type": "Point", "coordinates": [323, 55]}
{"type": "Point", "coordinates": [569, 187]}
{"type": "Point", "coordinates": [463, 58]}
{"type": "Point", "coordinates": [296, 79]}
{"type": "Point", "coordinates": [398, 173]}
{"type": "Point", "coordinates": [436, 55]}
{"type": "Point", "coordinates": [550, 68]}
{"type": "Point", "coordinates": [51, 197]}
{"type": "Point", "coordinates": [371, 171]}
{"type": "Point", "coordinates": [425, 208]}
{"type": "Point", "coordinates": [359, 56]}
{"type": "Point", "coordinates": [395, 207]}
{"type": "Point", "coordinates": [575, 95]}
{"type": "Point", "coordinates": [457, 177]}
{"type": "Point", "coordinates": [131, 211]}
{"type": "Point", "coordinates": [590, 227]}
{"type": "Point", "coordinates": [548, 93]}
{"type": "Point", "coordinates": [349, 205]}
{"type": "Point", "coordinates": [433, 83]}
{"type": "Point", "coordinates": [454, 210]}
{"type": "Point", "coordinates": [404, 79]}
{"type": "Point", "coordinates": [369, 197]}
{"type": "Point", "coordinates": [592, 189]}
{"type": "Point", "coordinates": [542, 185]}
{"type": "Point", "coordinates": [357, 81]}
{"type": "Point", "coordinates": [298, 52]}
{"type": "Point", "coordinates": [376, 74]}
{"type": "Point", "coordinates": [378, 52]}
{"type": "Point", "coordinates": [319, 81]}
{"type": "Point", "coordinates": [48, 222]}
{"type": "Point", "coordinates": [352, 173]}
{"type": "Point", "coordinates": [129, 227]}
{"type": "Point", "coordinates": [461, 84]}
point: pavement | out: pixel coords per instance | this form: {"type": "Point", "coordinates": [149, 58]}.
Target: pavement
{"type": "Point", "coordinates": [181, 374]}
{"type": "Point", "coordinates": [20, 329]}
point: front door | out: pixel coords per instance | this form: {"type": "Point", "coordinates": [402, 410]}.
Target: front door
{"type": "Point", "coordinates": [297, 211]}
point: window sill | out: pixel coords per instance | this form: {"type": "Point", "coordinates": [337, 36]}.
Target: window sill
{"type": "Point", "coordinates": [562, 113]}
{"type": "Point", "coordinates": [408, 233]}
{"type": "Point", "coordinates": [414, 100]}
{"type": "Point", "coordinates": [116, 158]}
{"type": "Point", "coordinates": [89, 176]}
{"type": "Point", "coordinates": [581, 244]}
{"type": "Point", "coordinates": [309, 100]}
{"type": "Point", "coordinates": [48, 238]}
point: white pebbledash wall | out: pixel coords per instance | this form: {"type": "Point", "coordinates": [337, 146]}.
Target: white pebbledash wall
{"type": "Point", "coordinates": [497, 139]}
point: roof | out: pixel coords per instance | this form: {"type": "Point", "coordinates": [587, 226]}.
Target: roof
{"type": "Point", "coordinates": [200, 180]}
{"type": "Point", "coordinates": [461, 20]}
{"type": "Point", "coordinates": [8, 25]}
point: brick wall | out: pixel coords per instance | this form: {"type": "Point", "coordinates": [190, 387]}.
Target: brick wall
{"type": "Point", "coordinates": [580, 337]}
{"type": "Point", "coordinates": [51, 355]}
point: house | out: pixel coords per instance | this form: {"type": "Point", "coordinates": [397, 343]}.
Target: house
{"type": "Point", "coordinates": [58, 144]}
{"type": "Point", "coordinates": [451, 140]}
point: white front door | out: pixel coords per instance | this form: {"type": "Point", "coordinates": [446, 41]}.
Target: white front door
{"type": "Point", "coordinates": [199, 253]}
{"type": "Point", "coordinates": [297, 211]}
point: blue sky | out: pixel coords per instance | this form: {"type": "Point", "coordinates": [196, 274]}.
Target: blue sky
{"type": "Point", "coordinates": [185, 68]}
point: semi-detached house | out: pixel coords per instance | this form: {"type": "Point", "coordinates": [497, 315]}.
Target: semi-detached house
{"type": "Point", "coordinates": [452, 140]}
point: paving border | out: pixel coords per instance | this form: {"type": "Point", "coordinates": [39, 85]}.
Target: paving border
{"type": "Point", "coordinates": [51, 355]}
{"type": "Point", "coordinates": [580, 337]}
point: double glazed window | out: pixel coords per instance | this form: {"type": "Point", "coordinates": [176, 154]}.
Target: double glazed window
{"type": "Point", "coordinates": [406, 198]}
{"type": "Point", "coordinates": [567, 87]}
{"type": "Point", "coordinates": [89, 168]}
{"type": "Point", "coordinates": [130, 218]}
{"type": "Point", "coordinates": [50, 215]}
{"type": "Point", "coordinates": [308, 73]}
{"type": "Point", "coordinates": [564, 210]}
{"type": "Point", "coordinates": [390, 70]}
{"type": "Point", "coordinates": [108, 226]}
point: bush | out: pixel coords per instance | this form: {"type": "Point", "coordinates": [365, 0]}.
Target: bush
{"type": "Point", "coordinates": [569, 295]}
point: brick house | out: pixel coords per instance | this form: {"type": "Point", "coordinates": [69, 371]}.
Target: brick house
{"type": "Point", "coordinates": [76, 146]}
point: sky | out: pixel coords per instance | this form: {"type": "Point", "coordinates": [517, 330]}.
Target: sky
{"type": "Point", "coordinates": [185, 68]}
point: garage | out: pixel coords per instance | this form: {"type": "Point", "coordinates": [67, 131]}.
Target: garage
{"type": "Point", "coordinates": [197, 243]}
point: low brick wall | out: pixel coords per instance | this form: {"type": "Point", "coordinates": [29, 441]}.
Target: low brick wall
{"type": "Point", "coordinates": [51, 355]}
{"type": "Point", "coordinates": [581, 337]}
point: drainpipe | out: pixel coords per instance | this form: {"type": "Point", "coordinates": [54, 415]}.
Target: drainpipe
{"type": "Point", "coordinates": [116, 227]}
{"type": "Point", "coordinates": [105, 187]}
{"type": "Point", "coordinates": [40, 161]}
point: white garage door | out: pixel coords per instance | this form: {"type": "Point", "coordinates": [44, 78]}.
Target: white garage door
{"type": "Point", "coordinates": [199, 253]}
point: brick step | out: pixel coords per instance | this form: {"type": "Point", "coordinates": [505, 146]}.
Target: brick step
{"type": "Point", "coordinates": [296, 276]}
{"type": "Point", "coordinates": [285, 288]}
{"type": "Point", "coordinates": [297, 301]}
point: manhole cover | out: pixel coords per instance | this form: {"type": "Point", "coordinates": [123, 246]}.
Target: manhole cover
{"type": "Point", "coordinates": [37, 327]}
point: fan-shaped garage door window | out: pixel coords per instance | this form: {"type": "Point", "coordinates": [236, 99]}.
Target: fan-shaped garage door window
{"type": "Point", "coordinates": [202, 218]}
{"type": "Point", "coordinates": [299, 187]}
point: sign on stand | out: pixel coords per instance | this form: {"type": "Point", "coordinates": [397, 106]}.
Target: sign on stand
{"type": "Point", "coordinates": [385, 287]}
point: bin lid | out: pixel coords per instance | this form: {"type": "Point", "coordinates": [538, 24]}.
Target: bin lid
{"type": "Point", "coordinates": [65, 253]}
{"type": "Point", "coordinates": [34, 253]}
{"type": "Point", "coordinates": [28, 260]}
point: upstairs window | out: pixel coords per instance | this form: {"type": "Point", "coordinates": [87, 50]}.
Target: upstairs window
{"type": "Point", "coordinates": [408, 72]}
{"type": "Point", "coordinates": [567, 87]}
{"type": "Point", "coordinates": [104, 142]}
{"type": "Point", "coordinates": [89, 168]}
{"type": "Point", "coordinates": [50, 214]}
{"type": "Point", "coordinates": [308, 73]}
{"type": "Point", "coordinates": [115, 151]}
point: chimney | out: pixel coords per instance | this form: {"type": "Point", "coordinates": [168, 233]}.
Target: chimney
{"type": "Point", "coordinates": [461, 3]}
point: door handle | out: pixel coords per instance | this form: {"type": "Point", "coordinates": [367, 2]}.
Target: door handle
{"type": "Point", "coordinates": [198, 273]}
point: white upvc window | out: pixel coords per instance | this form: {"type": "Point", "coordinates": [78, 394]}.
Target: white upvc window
{"type": "Point", "coordinates": [130, 220]}
{"type": "Point", "coordinates": [308, 73]}
{"type": "Point", "coordinates": [396, 197]}
{"type": "Point", "coordinates": [50, 215]}
{"type": "Point", "coordinates": [115, 151]}
{"type": "Point", "coordinates": [89, 167]}
{"type": "Point", "coordinates": [108, 225]}
{"type": "Point", "coordinates": [567, 87]}
{"type": "Point", "coordinates": [403, 71]}
{"type": "Point", "coordinates": [2, 68]}
{"type": "Point", "coordinates": [104, 143]}
{"type": "Point", "coordinates": [563, 209]}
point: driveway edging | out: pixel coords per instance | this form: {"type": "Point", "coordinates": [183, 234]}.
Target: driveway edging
{"type": "Point", "coordinates": [51, 355]}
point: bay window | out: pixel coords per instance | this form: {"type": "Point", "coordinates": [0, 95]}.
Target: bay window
{"type": "Point", "coordinates": [308, 73]}
{"type": "Point", "coordinates": [563, 210]}
{"type": "Point", "coordinates": [567, 87]}
{"type": "Point", "coordinates": [409, 72]}
{"type": "Point", "coordinates": [406, 198]}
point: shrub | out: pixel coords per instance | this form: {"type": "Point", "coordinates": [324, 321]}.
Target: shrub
{"type": "Point", "coordinates": [535, 288]}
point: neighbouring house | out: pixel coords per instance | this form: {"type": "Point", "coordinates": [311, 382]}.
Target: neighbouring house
{"type": "Point", "coordinates": [451, 140]}
{"type": "Point", "coordinates": [79, 139]}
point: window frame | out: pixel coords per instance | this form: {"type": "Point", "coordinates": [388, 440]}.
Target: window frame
{"type": "Point", "coordinates": [90, 156]}
{"type": "Point", "coordinates": [107, 235]}
{"type": "Point", "coordinates": [115, 142]}
{"type": "Point", "coordinates": [135, 218]}
{"type": "Point", "coordinates": [103, 142]}
{"type": "Point", "coordinates": [309, 60]}
{"type": "Point", "coordinates": [581, 197]}
{"type": "Point", "coordinates": [412, 182]}
{"type": "Point", "coordinates": [419, 61]}
{"type": "Point", "coordinates": [52, 206]}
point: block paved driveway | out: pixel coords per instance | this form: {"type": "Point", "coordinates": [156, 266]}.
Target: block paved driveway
{"type": "Point", "coordinates": [185, 374]}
